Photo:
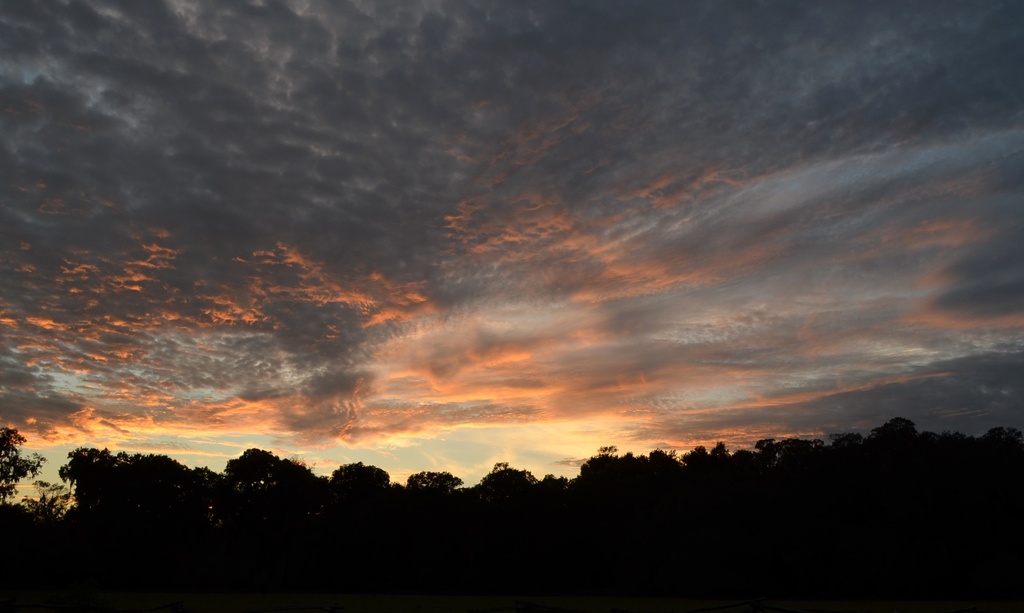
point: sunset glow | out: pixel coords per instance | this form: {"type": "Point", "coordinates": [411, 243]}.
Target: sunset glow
{"type": "Point", "coordinates": [436, 236]}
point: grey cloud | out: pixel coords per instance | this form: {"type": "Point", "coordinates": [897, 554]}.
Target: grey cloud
{"type": "Point", "coordinates": [387, 418]}
{"type": "Point", "coordinates": [969, 394]}
{"type": "Point", "coordinates": [989, 282]}
{"type": "Point", "coordinates": [350, 131]}
{"type": "Point", "coordinates": [37, 410]}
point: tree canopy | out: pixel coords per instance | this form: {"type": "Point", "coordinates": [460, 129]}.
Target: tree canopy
{"type": "Point", "coordinates": [899, 512]}
{"type": "Point", "coordinates": [13, 466]}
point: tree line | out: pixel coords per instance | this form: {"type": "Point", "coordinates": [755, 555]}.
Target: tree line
{"type": "Point", "coordinates": [896, 513]}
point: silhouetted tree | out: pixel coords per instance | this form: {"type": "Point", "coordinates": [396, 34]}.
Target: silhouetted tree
{"type": "Point", "coordinates": [433, 482]}
{"type": "Point", "coordinates": [23, 538]}
{"type": "Point", "coordinates": [893, 443]}
{"type": "Point", "coordinates": [608, 469]}
{"type": "Point", "coordinates": [305, 491]}
{"type": "Point", "coordinates": [845, 440]}
{"type": "Point", "coordinates": [253, 473]}
{"type": "Point", "coordinates": [919, 513]}
{"type": "Point", "coordinates": [89, 474]}
{"type": "Point", "coordinates": [504, 484]}
{"type": "Point", "coordinates": [551, 486]}
{"type": "Point", "coordinates": [261, 487]}
{"type": "Point", "coordinates": [717, 460]}
{"type": "Point", "coordinates": [358, 482]}
{"type": "Point", "coordinates": [1006, 443]}
{"type": "Point", "coordinates": [897, 430]}
{"type": "Point", "coordinates": [50, 504]}
{"type": "Point", "coordinates": [135, 494]}
{"type": "Point", "coordinates": [159, 491]}
{"type": "Point", "coordinates": [664, 465]}
{"type": "Point", "coordinates": [13, 466]}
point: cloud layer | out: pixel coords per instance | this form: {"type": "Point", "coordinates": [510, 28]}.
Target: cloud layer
{"type": "Point", "coordinates": [355, 225]}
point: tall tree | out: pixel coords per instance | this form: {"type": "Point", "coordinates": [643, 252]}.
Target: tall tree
{"type": "Point", "coordinates": [50, 503]}
{"type": "Point", "coordinates": [434, 482]}
{"type": "Point", "coordinates": [505, 484]}
{"type": "Point", "coordinates": [89, 472]}
{"type": "Point", "coordinates": [265, 488]}
{"type": "Point", "coordinates": [13, 466]}
{"type": "Point", "coordinates": [358, 482]}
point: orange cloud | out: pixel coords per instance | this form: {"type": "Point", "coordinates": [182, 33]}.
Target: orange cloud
{"type": "Point", "coordinates": [226, 311]}
{"type": "Point", "coordinates": [948, 232]}
{"type": "Point", "coordinates": [47, 323]}
{"type": "Point", "coordinates": [928, 314]}
{"type": "Point", "coordinates": [679, 187]}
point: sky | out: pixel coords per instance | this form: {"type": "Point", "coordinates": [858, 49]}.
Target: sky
{"type": "Point", "coordinates": [440, 235]}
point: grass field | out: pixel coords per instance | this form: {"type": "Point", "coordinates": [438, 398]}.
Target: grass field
{"type": "Point", "coordinates": [364, 603]}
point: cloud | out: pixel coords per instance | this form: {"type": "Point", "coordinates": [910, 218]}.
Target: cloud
{"type": "Point", "coordinates": [355, 224]}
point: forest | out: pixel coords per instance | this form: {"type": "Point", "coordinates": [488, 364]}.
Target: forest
{"type": "Point", "coordinates": [896, 513]}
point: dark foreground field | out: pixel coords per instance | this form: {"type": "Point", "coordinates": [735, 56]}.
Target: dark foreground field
{"type": "Point", "coordinates": [111, 602]}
